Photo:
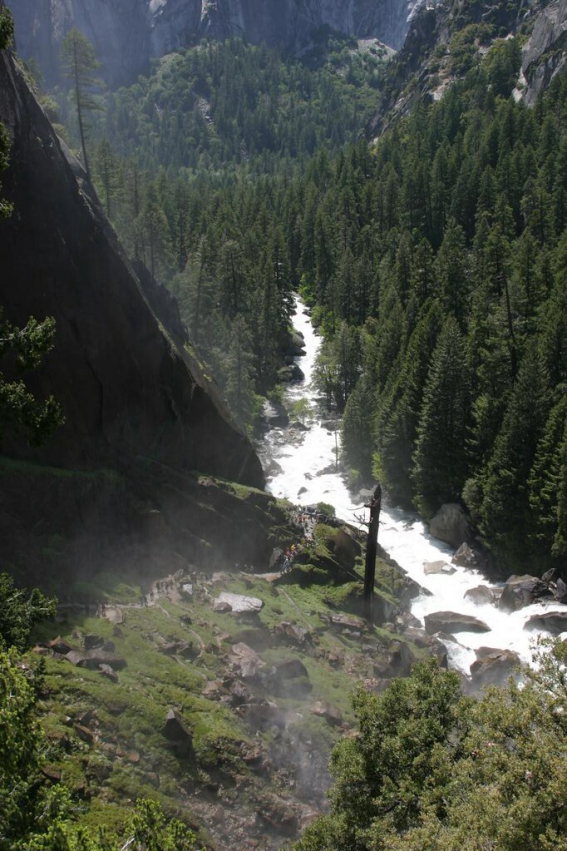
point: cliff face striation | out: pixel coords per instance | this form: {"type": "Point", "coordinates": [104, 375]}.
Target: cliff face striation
{"type": "Point", "coordinates": [543, 55]}
{"type": "Point", "coordinates": [134, 400]}
{"type": "Point", "coordinates": [127, 33]}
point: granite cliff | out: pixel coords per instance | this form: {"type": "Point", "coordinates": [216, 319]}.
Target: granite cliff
{"type": "Point", "coordinates": [128, 33]}
{"type": "Point", "coordinates": [140, 417]}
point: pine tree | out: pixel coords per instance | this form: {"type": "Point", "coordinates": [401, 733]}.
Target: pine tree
{"type": "Point", "coordinates": [440, 461]}
{"type": "Point", "coordinates": [498, 496]}
{"type": "Point", "coordinates": [79, 63]}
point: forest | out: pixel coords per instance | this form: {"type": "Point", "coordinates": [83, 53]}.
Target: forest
{"type": "Point", "coordinates": [434, 261]}
{"type": "Point", "coordinates": [435, 264]}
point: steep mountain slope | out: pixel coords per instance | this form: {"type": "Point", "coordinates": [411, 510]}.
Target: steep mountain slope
{"type": "Point", "coordinates": [127, 33]}
{"type": "Point", "coordinates": [447, 39]}
{"type": "Point", "coordinates": [133, 397]}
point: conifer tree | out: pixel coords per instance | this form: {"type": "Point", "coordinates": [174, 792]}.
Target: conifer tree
{"type": "Point", "coordinates": [79, 64]}
{"type": "Point", "coordinates": [440, 461]}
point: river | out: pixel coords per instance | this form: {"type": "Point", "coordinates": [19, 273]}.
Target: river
{"type": "Point", "coordinates": [305, 474]}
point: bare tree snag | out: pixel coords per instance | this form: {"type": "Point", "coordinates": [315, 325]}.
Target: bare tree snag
{"type": "Point", "coordinates": [371, 546]}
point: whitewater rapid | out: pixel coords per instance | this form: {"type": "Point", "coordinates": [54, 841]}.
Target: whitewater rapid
{"type": "Point", "coordinates": [306, 474]}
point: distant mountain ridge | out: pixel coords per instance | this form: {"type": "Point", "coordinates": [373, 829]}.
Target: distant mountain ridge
{"type": "Point", "coordinates": [128, 33]}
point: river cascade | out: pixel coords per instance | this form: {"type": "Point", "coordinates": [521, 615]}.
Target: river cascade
{"type": "Point", "coordinates": [301, 463]}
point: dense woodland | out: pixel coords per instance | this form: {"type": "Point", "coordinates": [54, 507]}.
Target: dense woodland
{"type": "Point", "coordinates": [436, 264]}
{"type": "Point", "coordinates": [196, 168]}
{"type": "Point", "coordinates": [434, 260]}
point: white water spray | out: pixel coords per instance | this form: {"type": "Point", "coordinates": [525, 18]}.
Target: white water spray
{"type": "Point", "coordinates": [302, 456]}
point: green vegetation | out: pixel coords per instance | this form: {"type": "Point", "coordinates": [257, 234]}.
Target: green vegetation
{"type": "Point", "coordinates": [194, 166]}
{"type": "Point", "coordinates": [24, 347]}
{"type": "Point", "coordinates": [35, 814]}
{"type": "Point", "coordinates": [79, 63]}
{"type": "Point", "coordinates": [438, 264]}
{"type": "Point", "coordinates": [433, 771]}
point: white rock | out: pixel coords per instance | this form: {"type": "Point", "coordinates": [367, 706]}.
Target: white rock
{"type": "Point", "coordinates": [240, 603]}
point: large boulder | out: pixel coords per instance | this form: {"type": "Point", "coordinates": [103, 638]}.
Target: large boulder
{"type": "Point", "coordinates": [466, 556]}
{"type": "Point", "coordinates": [482, 595]}
{"type": "Point", "coordinates": [450, 524]}
{"type": "Point", "coordinates": [289, 678]}
{"type": "Point", "coordinates": [428, 642]}
{"type": "Point", "coordinates": [178, 734]}
{"type": "Point", "coordinates": [450, 622]}
{"type": "Point", "coordinates": [245, 661]}
{"type": "Point", "coordinates": [553, 622]}
{"type": "Point", "coordinates": [520, 591]}
{"type": "Point", "coordinates": [493, 666]}
{"type": "Point", "coordinates": [239, 603]}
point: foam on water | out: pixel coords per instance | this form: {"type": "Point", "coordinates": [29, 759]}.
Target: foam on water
{"type": "Point", "coordinates": [302, 460]}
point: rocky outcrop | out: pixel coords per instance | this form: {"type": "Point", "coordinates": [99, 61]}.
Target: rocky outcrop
{"type": "Point", "coordinates": [543, 55]}
{"type": "Point", "coordinates": [552, 622]}
{"type": "Point", "coordinates": [493, 667]}
{"type": "Point", "coordinates": [520, 591]}
{"type": "Point", "coordinates": [127, 33]}
{"type": "Point", "coordinates": [127, 386]}
{"type": "Point", "coordinates": [449, 622]}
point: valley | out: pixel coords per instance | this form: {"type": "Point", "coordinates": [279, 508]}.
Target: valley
{"type": "Point", "coordinates": [257, 258]}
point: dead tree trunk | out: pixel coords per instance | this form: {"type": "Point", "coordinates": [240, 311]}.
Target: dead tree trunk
{"type": "Point", "coordinates": [371, 545]}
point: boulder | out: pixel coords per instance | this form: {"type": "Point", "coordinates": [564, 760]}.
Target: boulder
{"type": "Point", "coordinates": [240, 603]}
{"type": "Point", "coordinates": [289, 669]}
{"type": "Point", "coordinates": [75, 657]}
{"type": "Point", "coordinates": [292, 631]}
{"type": "Point", "coordinates": [395, 662]}
{"type": "Point", "coordinates": [290, 374]}
{"type": "Point", "coordinates": [466, 556]}
{"type": "Point", "coordinates": [561, 591]}
{"type": "Point", "coordinates": [553, 622]}
{"type": "Point", "coordinates": [245, 660]}
{"type": "Point", "coordinates": [59, 645]}
{"type": "Point", "coordinates": [431, 568]}
{"type": "Point", "coordinates": [493, 666]}
{"type": "Point", "coordinates": [481, 595]}
{"type": "Point", "coordinates": [324, 710]}
{"type": "Point", "coordinates": [84, 733]}
{"type": "Point", "coordinates": [222, 607]}
{"type": "Point", "coordinates": [261, 713]}
{"type": "Point", "coordinates": [108, 672]}
{"type": "Point", "coordinates": [452, 622]}
{"type": "Point", "coordinates": [97, 642]}
{"type": "Point", "coordinates": [343, 621]}
{"type": "Point", "coordinates": [95, 658]}
{"type": "Point", "coordinates": [176, 731]}
{"type": "Point", "coordinates": [450, 524]}
{"type": "Point", "coordinates": [185, 649]}
{"type": "Point", "coordinates": [275, 415]}
{"type": "Point", "coordinates": [429, 642]}
{"type": "Point", "coordinates": [520, 591]}
{"type": "Point", "coordinates": [290, 679]}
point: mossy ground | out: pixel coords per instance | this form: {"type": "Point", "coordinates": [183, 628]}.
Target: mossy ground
{"type": "Point", "coordinates": [129, 755]}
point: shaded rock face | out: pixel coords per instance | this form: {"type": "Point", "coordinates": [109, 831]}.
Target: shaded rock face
{"type": "Point", "coordinates": [127, 33]}
{"type": "Point", "coordinates": [552, 622]}
{"type": "Point", "coordinates": [127, 388]}
{"type": "Point", "coordinates": [139, 416]}
{"type": "Point", "coordinates": [520, 591]}
{"type": "Point", "coordinates": [543, 55]}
